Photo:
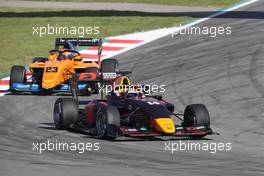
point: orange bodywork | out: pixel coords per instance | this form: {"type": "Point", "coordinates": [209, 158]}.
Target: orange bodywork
{"type": "Point", "coordinates": [56, 72]}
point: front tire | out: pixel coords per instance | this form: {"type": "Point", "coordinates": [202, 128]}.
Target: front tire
{"type": "Point", "coordinates": [17, 75]}
{"type": "Point", "coordinates": [65, 113]}
{"type": "Point", "coordinates": [107, 120]}
{"type": "Point", "coordinates": [196, 115]}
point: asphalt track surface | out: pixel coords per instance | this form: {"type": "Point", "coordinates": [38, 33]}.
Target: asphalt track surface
{"type": "Point", "coordinates": [225, 73]}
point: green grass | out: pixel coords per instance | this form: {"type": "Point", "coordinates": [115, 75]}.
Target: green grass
{"type": "Point", "coordinates": [220, 3]}
{"type": "Point", "coordinates": [19, 45]}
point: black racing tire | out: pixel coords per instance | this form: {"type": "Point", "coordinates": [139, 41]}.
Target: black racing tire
{"type": "Point", "coordinates": [196, 115]}
{"type": "Point", "coordinates": [109, 66]}
{"type": "Point", "coordinates": [65, 113]}
{"type": "Point", "coordinates": [94, 85]}
{"type": "Point", "coordinates": [17, 75]}
{"type": "Point", "coordinates": [106, 117]}
{"type": "Point", "coordinates": [39, 59]}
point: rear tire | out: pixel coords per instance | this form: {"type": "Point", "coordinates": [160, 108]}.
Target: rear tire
{"type": "Point", "coordinates": [17, 75]}
{"type": "Point", "coordinates": [196, 115]}
{"type": "Point", "coordinates": [109, 65]}
{"type": "Point", "coordinates": [65, 113]}
{"type": "Point", "coordinates": [107, 119]}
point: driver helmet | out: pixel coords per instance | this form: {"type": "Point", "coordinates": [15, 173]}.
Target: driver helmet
{"type": "Point", "coordinates": [66, 55]}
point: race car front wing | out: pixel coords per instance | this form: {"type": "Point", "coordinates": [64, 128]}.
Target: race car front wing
{"type": "Point", "coordinates": [180, 132]}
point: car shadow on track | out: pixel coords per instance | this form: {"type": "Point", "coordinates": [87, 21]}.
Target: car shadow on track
{"type": "Point", "coordinates": [48, 126]}
{"type": "Point", "coordinates": [157, 139]}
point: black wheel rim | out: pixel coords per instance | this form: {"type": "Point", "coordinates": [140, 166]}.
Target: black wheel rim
{"type": "Point", "coordinates": [190, 121]}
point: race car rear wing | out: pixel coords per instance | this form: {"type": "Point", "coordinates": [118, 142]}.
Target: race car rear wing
{"type": "Point", "coordinates": [79, 41]}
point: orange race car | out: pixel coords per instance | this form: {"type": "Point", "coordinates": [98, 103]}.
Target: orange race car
{"type": "Point", "coordinates": [61, 71]}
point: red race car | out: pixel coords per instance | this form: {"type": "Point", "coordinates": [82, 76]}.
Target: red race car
{"type": "Point", "coordinates": [130, 114]}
